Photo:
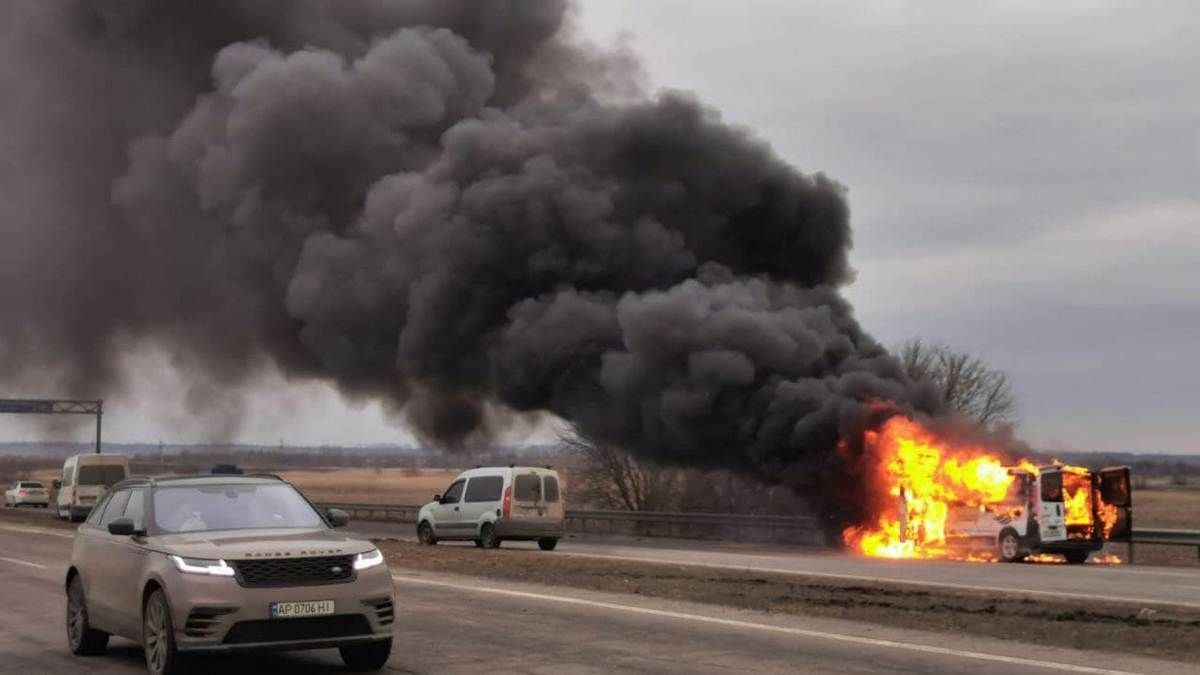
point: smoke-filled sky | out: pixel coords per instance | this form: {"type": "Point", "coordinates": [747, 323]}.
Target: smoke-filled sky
{"type": "Point", "coordinates": [1024, 181]}
{"type": "Point", "coordinates": [1021, 183]}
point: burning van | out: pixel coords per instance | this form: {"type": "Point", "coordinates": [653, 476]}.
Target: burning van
{"type": "Point", "coordinates": [1050, 509]}
{"type": "Point", "coordinates": [964, 501]}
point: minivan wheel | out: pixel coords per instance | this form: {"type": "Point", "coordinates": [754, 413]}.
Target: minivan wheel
{"type": "Point", "coordinates": [371, 656]}
{"type": "Point", "coordinates": [547, 543]}
{"type": "Point", "coordinates": [158, 636]}
{"type": "Point", "coordinates": [487, 536]}
{"type": "Point", "coordinates": [82, 638]}
{"type": "Point", "coordinates": [425, 534]}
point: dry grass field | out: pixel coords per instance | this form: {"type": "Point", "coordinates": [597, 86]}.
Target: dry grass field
{"type": "Point", "coordinates": [371, 486]}
{"type": "Point", "coordinates": [1177, 509]}
{"type": "Point", "coordinates": [1154, 507]}
{"type": "Point", "coordinates": [356, 485]}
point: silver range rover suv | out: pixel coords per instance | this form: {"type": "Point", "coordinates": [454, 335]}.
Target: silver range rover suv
{"type": "Point", "coordinates": [224, 563]}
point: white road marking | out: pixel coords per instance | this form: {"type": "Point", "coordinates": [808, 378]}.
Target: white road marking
{"type": "Point", "coordinates": [801, 632]}
{"type": "Point", "coordinates": [892, 580]}
{"type": "Point", "coordinates": [23, 562]}
{"type": "Point", "coordinates": [38, 530]}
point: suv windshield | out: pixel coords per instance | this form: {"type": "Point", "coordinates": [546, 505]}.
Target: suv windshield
{"type": "Point", "coordinates": [197, 508]}
{"type": "Point", "coordinates": [107, 475]}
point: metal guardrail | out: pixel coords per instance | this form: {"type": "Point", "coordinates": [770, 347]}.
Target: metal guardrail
{"type": "Point", "coordinates": [403, 513]}
{"type": "Point", "coordinates": [408, 513]}
{"type": "Point", "coordinates": [722, 519]}
{"type": "Point", "coordinates": [658, 523]}
{"type": "Point", "coordinates": [642, 523]}
{"type": "Point", "coordinates": [1164, 538]}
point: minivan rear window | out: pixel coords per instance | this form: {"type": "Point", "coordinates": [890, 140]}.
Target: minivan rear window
{"type": "Point", "coordinates": [526, 487]}
{"type": "Point", "coordinates": [107, 475]}
{"type": "Point", "coordinates": [484, 489]}
{"type": "Point", "coordinates": [31, 484]}
{"type": "Point", "coordinates": [550, 489]}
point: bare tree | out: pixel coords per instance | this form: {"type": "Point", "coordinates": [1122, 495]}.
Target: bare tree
{"type": "Point", "coordinates": [610, 477]}
{"type": "Point", "coordinates": [968, 385]}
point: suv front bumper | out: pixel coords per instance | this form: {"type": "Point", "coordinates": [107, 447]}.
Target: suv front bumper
{"type": "Point", "coordinates": [216, 614]}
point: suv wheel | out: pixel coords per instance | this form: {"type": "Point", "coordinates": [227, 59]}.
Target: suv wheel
{"type": "Point", "coordinates": [425, 534]}
{"type": "Point", "coordinates": [82, 638]}
{"type": "Point", "coordinates": [547, 543]}
{"type": "Point", "coordinates": [372, 656]}
{"type": "Point", "coordinates": [158, 636]}
{"type": "Point", "coordinates": [487, 536]}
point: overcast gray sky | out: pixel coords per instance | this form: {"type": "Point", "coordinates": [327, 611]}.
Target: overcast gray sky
{"type": "Point", "coordinates": [1024, 179]}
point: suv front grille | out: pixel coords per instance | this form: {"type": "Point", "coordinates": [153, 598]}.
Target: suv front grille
{"type": "Point", "coordinates": [329, 569]}
{"type": "Point", "coordinates": [307, 628]}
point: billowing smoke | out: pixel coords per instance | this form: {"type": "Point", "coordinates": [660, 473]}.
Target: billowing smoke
{"type": "Point", "coordinates": [454, 207]}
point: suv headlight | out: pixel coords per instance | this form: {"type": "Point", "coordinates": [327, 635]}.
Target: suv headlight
{"type": "Point", "coordinates": [367, 560]}
{"type": "Point", "coordinates": [216, 568]}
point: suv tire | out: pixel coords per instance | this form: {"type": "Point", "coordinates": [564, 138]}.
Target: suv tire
{"type": "Point", "coordinates": [425, 534]}
{"type": "Point", "coordinates": [487, 536]}
{"type": "Point", "coordinates": [158, 636]}
{"type": "Point", "coordinates": [547, 543]}
{"type": "Point", "coordinates": [81, 637]}
{"type": "Point", "coordinates": [371, 656]}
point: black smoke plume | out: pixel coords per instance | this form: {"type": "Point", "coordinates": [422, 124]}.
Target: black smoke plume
{"type": "Point", "coordinates": [455, 207]}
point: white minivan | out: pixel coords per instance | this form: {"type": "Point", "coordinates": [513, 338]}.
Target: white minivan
{"type": "Point", "coordinates": [488, 505]}
{"type": "Point", "coordinates": [85, 478]}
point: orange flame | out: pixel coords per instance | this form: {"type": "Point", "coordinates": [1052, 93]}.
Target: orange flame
{"type": "Point", "coordinates": [929, 479]}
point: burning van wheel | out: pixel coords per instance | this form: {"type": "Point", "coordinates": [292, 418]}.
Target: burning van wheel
{"type": "Point", "coordinates": [1076, 557]}
{"type": "Point", "coordinates": [1008, 546]}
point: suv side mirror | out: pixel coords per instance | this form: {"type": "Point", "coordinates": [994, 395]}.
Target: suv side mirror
{"type": "Point", "coordinates": [437, 498]}
{"type": "Point", "coordinates": [337, 517]}
{"type": "Point", "coordinates": [122, 527]}
{"type": "Point", "coordinates": [57, 485]}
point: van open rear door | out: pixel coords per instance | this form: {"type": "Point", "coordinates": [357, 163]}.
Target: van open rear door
{"type": "Point", "coordinates": [1115, 506]}
{"type": "Point", "coordinates": [1051, 521]}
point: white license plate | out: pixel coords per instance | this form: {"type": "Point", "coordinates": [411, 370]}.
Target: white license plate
{"type": "Point", "coordinates": [288, 610]}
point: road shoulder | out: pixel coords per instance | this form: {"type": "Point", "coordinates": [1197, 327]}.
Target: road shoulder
{"type": "Point", "coordinates": [1117, 629]}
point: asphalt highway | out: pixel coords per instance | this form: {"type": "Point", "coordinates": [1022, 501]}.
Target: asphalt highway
{"type": "Point", "coordinates": [1134, 584]}
{"type": "Point", "coordinates": [460, 625]}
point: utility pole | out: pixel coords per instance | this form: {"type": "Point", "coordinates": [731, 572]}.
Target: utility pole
{"type": "Point", "coordinates": [99, 416]}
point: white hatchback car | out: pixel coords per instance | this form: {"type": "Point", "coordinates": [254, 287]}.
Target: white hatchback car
{"type": "Point", "coordinates": [27, 493]}
{"type": "Point", "coordinates": [488, 505]}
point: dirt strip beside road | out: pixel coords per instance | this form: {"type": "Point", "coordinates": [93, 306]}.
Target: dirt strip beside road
{"type": "Point", "coordinates": [1172, 634]}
